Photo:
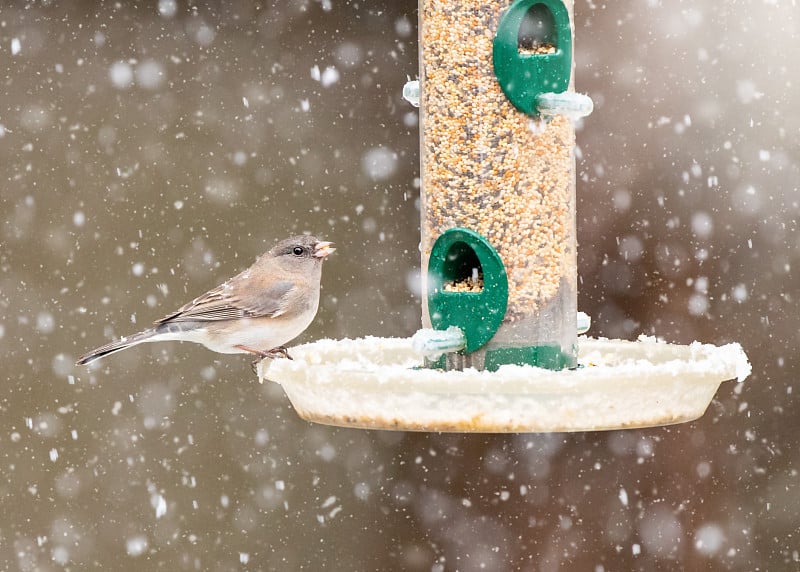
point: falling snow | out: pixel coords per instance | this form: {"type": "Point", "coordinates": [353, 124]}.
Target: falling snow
{"type": "Point", "coordinates": [379, 163]}
{"type": "Point", "coordinates": [709, 539]}
{"type": "Point", "coordinates": [167, 8]}
{"type": "Point", "coordinates": [136, 545]}
{"type": "Point", "coordinates": [159, 504]}
{"type": "Point", "coordinates": [150, 74]}
{"type": "Point", "coordinates": [326, 77]}
{"type": "Point", "coordinates": [121, 74]}
{"type": "Point", "coordinates": [152, 151]}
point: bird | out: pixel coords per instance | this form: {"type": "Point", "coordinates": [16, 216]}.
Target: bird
{"type": "Point", "coordinates": [256, 312]}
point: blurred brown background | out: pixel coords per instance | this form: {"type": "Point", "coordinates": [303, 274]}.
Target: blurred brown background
{"type": "Point", "coordinates": [149, 152]}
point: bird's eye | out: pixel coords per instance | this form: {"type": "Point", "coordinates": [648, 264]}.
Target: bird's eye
{"type": "Point", "coordinates": [297, 251]}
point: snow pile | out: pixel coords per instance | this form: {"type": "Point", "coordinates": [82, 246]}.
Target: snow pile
{"type": "Point", "coordinates": [379, 383]}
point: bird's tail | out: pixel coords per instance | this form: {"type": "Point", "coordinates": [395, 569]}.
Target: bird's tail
{"type": "Point", "coordinates": [117, 345]}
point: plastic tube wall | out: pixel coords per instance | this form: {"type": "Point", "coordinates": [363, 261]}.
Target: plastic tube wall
{"type": "Point", "coordinates": [505, 174]}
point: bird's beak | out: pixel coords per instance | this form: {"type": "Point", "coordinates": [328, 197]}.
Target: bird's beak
{"type": "Point", "coordinates": [323, 249]}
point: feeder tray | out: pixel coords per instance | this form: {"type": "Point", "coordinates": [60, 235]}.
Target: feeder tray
{"type": "Point", "coordinates": [378, 383]}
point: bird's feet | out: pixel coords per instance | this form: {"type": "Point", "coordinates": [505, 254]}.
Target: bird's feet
{"type": "Point", "coordinates": [279, 351]}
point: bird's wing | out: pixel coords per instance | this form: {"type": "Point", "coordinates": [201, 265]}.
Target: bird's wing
{"type": "Point", "coordinates": [225, 303]}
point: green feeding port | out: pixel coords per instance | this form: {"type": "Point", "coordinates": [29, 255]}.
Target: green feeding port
{"type": "Point", "coordinates": [467, 286]}
{"type": "Point", "coordinates": [537, 32]}
{"type": "Point", "coordinates": [532, 52]}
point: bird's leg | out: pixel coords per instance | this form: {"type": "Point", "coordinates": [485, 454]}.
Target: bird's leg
{"type": "Point", "coordinates": [280, 351]}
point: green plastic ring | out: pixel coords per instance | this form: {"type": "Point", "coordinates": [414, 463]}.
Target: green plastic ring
{"type": "Point", "coordinates": [478, 314]}
{"type": "Point", "coordinates": [524, 76]}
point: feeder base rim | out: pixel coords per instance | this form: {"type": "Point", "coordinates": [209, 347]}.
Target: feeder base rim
{"type": "Point", "coordinates": [376, 383]}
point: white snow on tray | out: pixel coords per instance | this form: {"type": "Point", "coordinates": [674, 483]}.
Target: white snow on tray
{"type": "Point", "coordinates": [378, 383]}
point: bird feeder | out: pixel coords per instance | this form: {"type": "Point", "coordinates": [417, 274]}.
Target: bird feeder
{"type": "Point", "coordinates": [498, 182]}
{"type": "Point", "coordinates": [499, 349]}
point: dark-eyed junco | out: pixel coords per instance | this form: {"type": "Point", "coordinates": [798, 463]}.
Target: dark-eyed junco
{"type": "Point", "coordinates": [256, 312]}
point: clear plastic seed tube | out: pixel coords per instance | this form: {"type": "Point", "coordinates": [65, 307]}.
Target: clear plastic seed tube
{"type": "Point", "coordinates": [504, 174]}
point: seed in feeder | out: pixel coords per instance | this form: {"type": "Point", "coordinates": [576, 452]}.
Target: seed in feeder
{"type": "Point", "coordinates": [536, 48]}
{"type": "Point", "coordinates": [472, 283]}
{"type": "Point", "coordinates": [487, 166]}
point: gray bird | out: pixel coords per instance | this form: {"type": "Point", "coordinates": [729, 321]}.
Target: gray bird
{"type": "Point", "coordinates": [256, 311]}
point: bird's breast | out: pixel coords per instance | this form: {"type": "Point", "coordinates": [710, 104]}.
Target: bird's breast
{"type": "Point", "coordinates": [255, 333]}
